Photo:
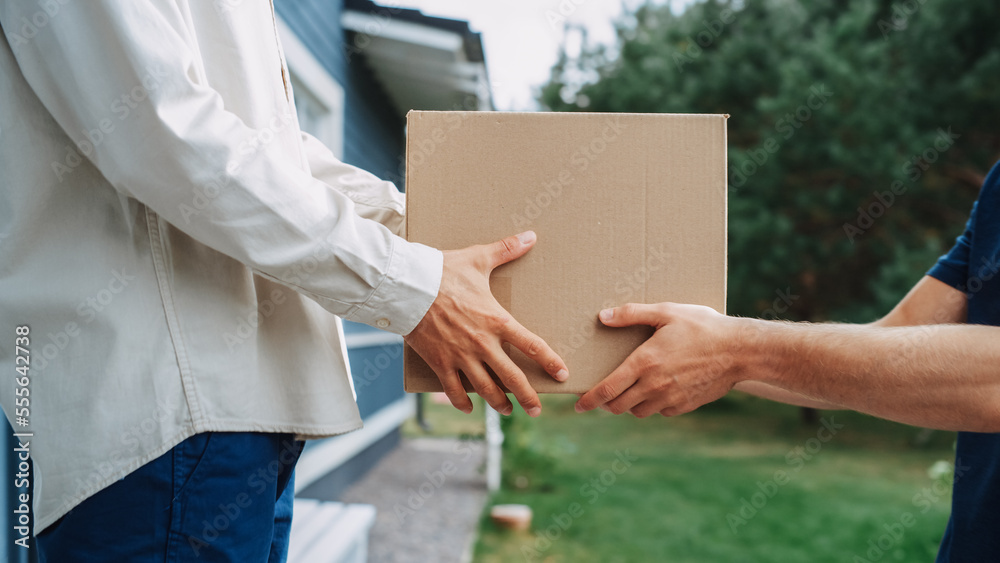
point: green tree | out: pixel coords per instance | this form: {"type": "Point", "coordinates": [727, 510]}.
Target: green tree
{"type": "Point", "coordinates": [836, 106]}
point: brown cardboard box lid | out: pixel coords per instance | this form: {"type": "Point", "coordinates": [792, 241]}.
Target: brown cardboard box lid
{"type": "Point", "coordinates": [627, 208]}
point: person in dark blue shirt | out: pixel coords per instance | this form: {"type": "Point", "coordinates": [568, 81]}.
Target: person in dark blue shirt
{"type": "Point", "coordinates": [933, 361]}
{"type": "Point", "coordinates": [972, 266]}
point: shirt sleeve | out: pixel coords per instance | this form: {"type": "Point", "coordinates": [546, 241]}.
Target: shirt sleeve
{"type": "Point", "coordinates": [953, 267]}
{"type": "Point", "coordinates": [180, 153]}
{"type": "Point", "coordinates": [373, 197]}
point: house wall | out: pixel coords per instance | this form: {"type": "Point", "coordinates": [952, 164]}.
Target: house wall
{"type": "Point", "coordinates": [373, 128]}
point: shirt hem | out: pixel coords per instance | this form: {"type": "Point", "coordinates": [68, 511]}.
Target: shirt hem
{"type": "Point", "coordinates": [221, 425]}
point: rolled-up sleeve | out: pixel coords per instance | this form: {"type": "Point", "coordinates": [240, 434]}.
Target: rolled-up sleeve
{"type": "Point", "coordinates": [183, 155]}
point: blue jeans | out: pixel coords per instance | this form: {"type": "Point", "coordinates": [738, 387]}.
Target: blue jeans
{"type": "Point", "coordinates": [215, 497]}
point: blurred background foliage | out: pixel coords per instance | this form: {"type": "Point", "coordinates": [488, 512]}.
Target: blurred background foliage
{"type": "Point", "coordinates": [831, 102]}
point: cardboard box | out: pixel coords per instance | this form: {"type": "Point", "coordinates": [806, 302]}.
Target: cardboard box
{"type": "Point", "coordinates": [627, 208]}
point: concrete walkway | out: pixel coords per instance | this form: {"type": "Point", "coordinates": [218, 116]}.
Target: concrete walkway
{"type": "Point", "coordinates": [429, 494]}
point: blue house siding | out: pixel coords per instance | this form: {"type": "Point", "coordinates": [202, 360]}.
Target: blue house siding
{"type": "Point", "coordinates": [373, 130]}
{"type": "Point", "coordinates": [374, 134]}
{"type": "Point", "coordinates": [378, 374]}
{"type": "Point", "coordinates": [317, 24]}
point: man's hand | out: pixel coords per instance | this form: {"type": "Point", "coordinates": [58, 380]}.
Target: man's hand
{"type": "Point", "coordinates": [465, 328]}
{"type": "Point", "coordinates": [689, 361]}
{"type": "Point", "coordinates": [940, 376]}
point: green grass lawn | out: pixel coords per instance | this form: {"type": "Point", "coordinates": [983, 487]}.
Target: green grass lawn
{"type": "Point", "coordinates": [815, 501]}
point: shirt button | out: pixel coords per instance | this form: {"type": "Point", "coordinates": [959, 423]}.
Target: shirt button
{"type": "Point", "coordinates": [382, 323]}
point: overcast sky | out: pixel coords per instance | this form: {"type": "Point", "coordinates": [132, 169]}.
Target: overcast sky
{"type": "Point", "coordinates": [522, 37]}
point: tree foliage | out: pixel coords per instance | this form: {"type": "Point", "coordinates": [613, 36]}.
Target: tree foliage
{"type": "Point", "coordinates": [845, 184]}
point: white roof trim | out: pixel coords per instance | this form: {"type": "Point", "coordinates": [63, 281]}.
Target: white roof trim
{"type": "Point", "coordinates": [406, 32]}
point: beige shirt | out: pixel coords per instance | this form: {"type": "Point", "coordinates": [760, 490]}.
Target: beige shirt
{"type": "Point", "coordinates": [176, 246]}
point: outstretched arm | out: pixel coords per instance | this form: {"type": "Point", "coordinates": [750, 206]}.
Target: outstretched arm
{"type": "Point", "coordinates": [929, 302]}
{"type": "Point", "coordinates": [939, 376]}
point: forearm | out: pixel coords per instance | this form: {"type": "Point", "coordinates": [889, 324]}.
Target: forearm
{"type": "Point", "coordinates": [940, 376]}
{"type": "Point", "coordinates": [772, 393]}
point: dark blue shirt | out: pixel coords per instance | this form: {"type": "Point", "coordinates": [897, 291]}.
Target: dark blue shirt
{"type": "Point", "coordinates": [973, 266]}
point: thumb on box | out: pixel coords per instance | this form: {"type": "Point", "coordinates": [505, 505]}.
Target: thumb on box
{"type": "Point", "coordinates": [633, 314]}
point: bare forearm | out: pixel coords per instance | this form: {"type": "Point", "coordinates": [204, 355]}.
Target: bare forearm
{"type": "Point", "coordinates": [940, 376]}
{"type": "Point", "coordinates": [772, 393]}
